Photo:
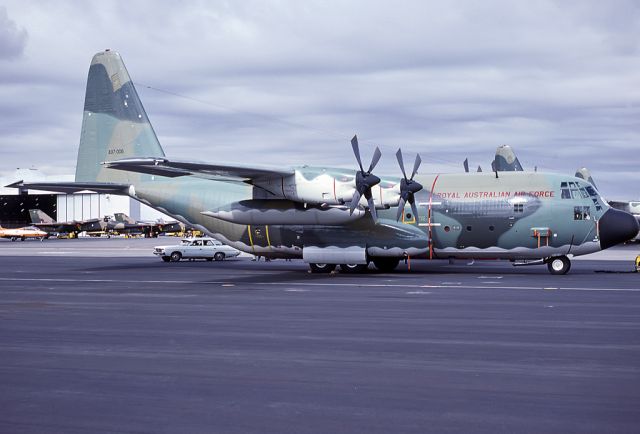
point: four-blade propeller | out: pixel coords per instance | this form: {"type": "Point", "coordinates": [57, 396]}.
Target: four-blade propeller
{"type": "Point", "coordinates": [364, 180]}
{"type": "Point", "coordinates": [408, 187]}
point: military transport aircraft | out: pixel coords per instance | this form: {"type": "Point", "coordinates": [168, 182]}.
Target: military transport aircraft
{"type": "Point", "coordinates": [332, 216]}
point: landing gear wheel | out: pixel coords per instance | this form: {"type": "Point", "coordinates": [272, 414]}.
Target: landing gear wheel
{"type": "Point", "coordinates": [386, 265]}
{"type": "Point", "coordinates": [559, 265]}
{"type": "Point", "coordinates": [176, 256]}
{"type": "Point", "coordinates": [354, 268]}
{"type": "Point", "coordinates": [166, 258]}
{"type": "Point", "coordinates": [219, 256]}
{"type": "Point", "coordinates": [322, 268]}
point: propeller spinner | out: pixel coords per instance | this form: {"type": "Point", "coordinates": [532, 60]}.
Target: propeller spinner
{"type": "Point", "coordinates": [408, 187]}
{"type": "Point", "coordinates": [364, 180]}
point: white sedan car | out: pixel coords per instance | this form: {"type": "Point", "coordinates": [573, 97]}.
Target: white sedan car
{"type": "Point", "coordinates": [196, 248]}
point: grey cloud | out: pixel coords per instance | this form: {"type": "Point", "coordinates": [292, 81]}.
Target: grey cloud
{"type": "Point", "coordinates": [290, 82]}
{"type": "Point", "coordinates": [13, 40]}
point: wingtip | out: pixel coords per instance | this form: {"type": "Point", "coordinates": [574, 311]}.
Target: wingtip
{"type": "Point", "coordinates": [16, 184]}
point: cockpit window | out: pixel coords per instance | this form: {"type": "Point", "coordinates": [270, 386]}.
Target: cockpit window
{"type": "Point", "coordinates": [591, 190]}
{"type": "Point", "coordinates": [576, 190]}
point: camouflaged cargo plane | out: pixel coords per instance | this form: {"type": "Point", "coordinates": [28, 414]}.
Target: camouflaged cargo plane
{"type": "Point", "coordinates": [330, 216]}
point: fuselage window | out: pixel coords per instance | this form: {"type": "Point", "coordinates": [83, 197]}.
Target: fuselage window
{"type": "Point", "coordinates": [581, 213]}
{"type": "Point", "coordinates": [566, 194]}
{"type": "Point", "coordinates": [518, 207]}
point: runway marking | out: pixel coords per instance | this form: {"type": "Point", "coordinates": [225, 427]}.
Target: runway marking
{"type": "Point", "coordinates": [336, 284]}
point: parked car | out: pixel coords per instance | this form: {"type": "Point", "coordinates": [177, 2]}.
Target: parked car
{"type": "Point", "coordinates": [196, 248]}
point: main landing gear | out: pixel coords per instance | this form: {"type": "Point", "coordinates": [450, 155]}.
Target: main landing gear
{"type": "Point", "coordinates": [558, 265]}
{"type": "Point", "coordinates": [385, 265]}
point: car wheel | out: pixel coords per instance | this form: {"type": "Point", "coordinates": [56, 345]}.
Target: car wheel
{"type": "Point", "coordinates": [166, 258]}
{"type": "Point", "coordinates": [559, 265]}
{"type": "Point", "coordinates": [354, 268]}
{"type": "Point", "coordinates": [219, 256]}
{"type": "Point", "coordinates": [322, 268]}
{"type": "Point", "coordinates": [176, 256]}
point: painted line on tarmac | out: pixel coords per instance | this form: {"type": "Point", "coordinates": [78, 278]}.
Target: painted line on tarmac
{"type": "Point", "coordinates": [336, 284]}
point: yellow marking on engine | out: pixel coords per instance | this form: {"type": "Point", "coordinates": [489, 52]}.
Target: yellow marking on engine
{"type": "Point", "coordinates": [266, 229]}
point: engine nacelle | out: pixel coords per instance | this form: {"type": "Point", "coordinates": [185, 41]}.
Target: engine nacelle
{"type": "Point", "coordinates": [328, 187]}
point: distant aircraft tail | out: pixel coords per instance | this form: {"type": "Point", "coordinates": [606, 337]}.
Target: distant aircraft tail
{"type": "Point", "coordinates": [39, 216]}
{"type": "Point", "coordinates": [506, 160]}
{"type": "Point", "coordinates": [122, 217]}
{"type": "Point", "coordinates": [115, 124]}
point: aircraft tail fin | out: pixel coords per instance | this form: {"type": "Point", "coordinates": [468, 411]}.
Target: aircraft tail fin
{"type": "Point", "coordinates": [122, 217]}
{"type": "Point", "coordinates": [506, 160]}
{"type": "Point", "coordinates": [115, 124]}
{"type": "Point", "coordinates": [39, 216]}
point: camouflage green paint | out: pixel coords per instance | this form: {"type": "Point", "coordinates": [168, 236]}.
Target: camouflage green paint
{"type": "Point", "coordinates": [460, 215]}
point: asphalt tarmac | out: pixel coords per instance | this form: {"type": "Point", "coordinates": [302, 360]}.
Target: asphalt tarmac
{"type": "Point", "coordinates": [95, 342]}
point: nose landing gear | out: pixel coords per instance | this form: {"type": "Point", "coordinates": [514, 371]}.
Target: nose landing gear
{"type": "Point", "coordinates": [558, 265]}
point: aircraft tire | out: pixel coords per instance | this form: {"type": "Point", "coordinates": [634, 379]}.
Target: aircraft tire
{"type": "Point", "coordinates": [219, 256]}
{"type": "Point", "coordinates": [13, 238]}
{"type": "Point", "coordinates": [22, 238]}
{"type": "Point", "coordinates": [559, 265]}
{"type": "Point", "coordinates": [322, 268]}
{"type": "Point", "coordinates": [386, 265]}
{"type": "Point", "coordinates": [176, 256]}
{"type": "Point", "coordinates": [353, 268]}
{"type": "Point", "coordinates": [166, 258]}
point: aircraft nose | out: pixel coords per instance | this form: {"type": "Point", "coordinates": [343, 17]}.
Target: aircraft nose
{"type": "Point", "coordinates": [616, 227]}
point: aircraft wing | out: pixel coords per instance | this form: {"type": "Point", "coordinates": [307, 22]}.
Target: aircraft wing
{"type": "Point", "coordinates": [172, 169]}
{"type": "Point", "coordinates": [73, 187]}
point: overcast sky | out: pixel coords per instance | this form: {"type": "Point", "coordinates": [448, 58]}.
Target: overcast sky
{"type": "Point", "coordinates": [289, 82]}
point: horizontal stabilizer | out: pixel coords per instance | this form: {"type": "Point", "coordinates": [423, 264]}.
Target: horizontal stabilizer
{"type": "Point", "coordinates": [172, 169]}
{"type": "Point", "coordinates": [73, 187]}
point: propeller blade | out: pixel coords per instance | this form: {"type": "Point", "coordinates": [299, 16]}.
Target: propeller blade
{"type": "Point", "coordinates": [414, 208]}
{"type": "Point", "coordinates": [400, 209]}
{"type": "Point", "coordinates": [416, 165]}
{"type": "Point", "coordinates": [400, 162]}
{"type": "Point", "coordinates": [372, 208]}
{"type": "Point", "coordinates": [354, 201]}
{"type": "Point", "coordinates": [466, 165]}
{"type": "Point", "coordinates": [376, 157]}
{"type": "Point", "coordinates": [356, 151]}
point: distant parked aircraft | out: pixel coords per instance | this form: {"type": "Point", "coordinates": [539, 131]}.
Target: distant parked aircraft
{"type": "Point", "coordinates": [22, 233]}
